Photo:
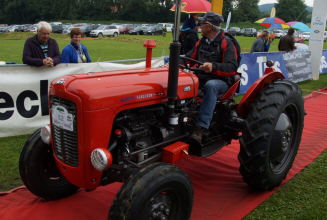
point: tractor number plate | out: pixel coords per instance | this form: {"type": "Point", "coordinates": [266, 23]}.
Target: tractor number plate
{"type": "Point", "coordinates": [62, 118]}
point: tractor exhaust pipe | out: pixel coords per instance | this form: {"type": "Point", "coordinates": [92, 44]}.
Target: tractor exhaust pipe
{"type": "Point", "coordinates": [175, 48]}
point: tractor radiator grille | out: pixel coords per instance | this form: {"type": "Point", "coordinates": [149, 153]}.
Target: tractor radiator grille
{"type": "Point", "coordinates": [65, 141]}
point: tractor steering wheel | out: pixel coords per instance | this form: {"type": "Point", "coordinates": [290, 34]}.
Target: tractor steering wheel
{"type": "Point", "coordinates": [187, 66]}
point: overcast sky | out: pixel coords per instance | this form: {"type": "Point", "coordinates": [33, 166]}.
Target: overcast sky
{"type": "Point", "coordinates": [307, 2]}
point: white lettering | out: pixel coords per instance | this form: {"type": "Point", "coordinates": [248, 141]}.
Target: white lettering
{"type": "Point", "coordinates": [245, 77]}
{"type": "Point", "coordinates": [277, 66]}
{"type": "Point", "coordinates": [261, 62]}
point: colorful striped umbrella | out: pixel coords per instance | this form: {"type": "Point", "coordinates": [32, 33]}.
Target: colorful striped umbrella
{"type": "Point", "coordinates": [272, 22]}
{"type": "Point", "coordinates": [299, 26]}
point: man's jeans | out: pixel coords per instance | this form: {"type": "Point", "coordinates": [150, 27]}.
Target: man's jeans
{"type": "Point", "coordinates": [212, 89]}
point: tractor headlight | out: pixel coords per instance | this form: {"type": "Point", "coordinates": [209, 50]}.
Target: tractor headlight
{"type": "Point", "coordinates": [101, 159]}
{"type": "Point", "coordinates": [46, 134]}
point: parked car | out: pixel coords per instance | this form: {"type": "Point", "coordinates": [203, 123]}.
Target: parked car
{"type": "Point", "coordinates": [105, 30]}
{"type": "Point", "coordinates": [125, 28]}
{"type": "Point", "coordinates": [234, 31]}
{"type": "Point", "coordinates": [242, 31]}
{"type": "Point", "coordinates": [89, 28]}
{"type": "Point", "coordinates": [154, 30]}
{"type": "Point", "coordinates": [169, 26]}
{"type": "Point", "coordinates": [139, 30]}
{"type": "Point", "coordinates": [15, 28]}
{"type": "Point", "coordinates": [4, 29]}
{"type": "Point", "coordinates": [32, 28]}
{"type": "Point", "coordinates": [279, 33]}
{"type": "Point", "coordinates": [56, 27]}
{"type": "Point", "coordinates": [250, 32]}
{"type": "Point", "coordinates": [26, 27]}
{"type": "Point", "coordinates": [305, 35]}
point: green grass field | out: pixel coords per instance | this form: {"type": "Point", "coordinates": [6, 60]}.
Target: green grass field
{"type": "Point", "coordinates": [304, 197]}
{"type": "Point", "coordinates": [108, 48]}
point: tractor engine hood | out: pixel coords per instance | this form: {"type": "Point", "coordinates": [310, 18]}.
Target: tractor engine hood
{"type": "Point", "coordinates": [112, 89]}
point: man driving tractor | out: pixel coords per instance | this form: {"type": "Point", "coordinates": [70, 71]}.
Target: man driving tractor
{"type": "Point", "coordinates": [220, 58]}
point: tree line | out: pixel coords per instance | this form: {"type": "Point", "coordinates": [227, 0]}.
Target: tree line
{"type": "Point", "coordinates": [32, 11]}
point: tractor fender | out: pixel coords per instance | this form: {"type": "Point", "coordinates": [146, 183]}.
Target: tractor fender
{"type": "Point", "coordinates": [252, 92]}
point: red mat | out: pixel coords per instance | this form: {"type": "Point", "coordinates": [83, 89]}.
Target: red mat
{"type": "Point", "coordinates": [219, 192]}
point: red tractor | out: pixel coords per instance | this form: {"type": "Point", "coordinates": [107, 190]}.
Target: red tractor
{"type": "Point", "coordinates": [132, 125]}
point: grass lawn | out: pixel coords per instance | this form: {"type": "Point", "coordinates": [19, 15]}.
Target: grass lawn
{"type": "Point", "coordinates": [304, 197]}
{"type": "Point", "coordinates": [108, 48]}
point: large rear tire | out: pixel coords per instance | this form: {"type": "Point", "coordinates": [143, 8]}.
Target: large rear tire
{"type": "Point", "coordinates": [157, 191]}
{"type": "Point", "coordinates": [270, 144]}
{"type": "Point", "coordinates": [39, 173]}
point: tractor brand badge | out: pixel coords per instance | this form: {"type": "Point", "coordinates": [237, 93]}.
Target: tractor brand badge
{"type": "Point", "coordinates": [149, 95]}
{"type": "Point", "coordinates": [61, 81]}
{"type": "Point", "coordinates": [143, 96]}
{"type": "Point", "coordinates": [187, 88]}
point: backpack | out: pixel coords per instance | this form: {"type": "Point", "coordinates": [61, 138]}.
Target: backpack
{"type": "Point", "coordinates": [236, 45]}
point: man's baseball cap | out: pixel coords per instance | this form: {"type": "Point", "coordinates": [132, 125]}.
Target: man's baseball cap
{"type": "Point", "coordinates": [212, 18]}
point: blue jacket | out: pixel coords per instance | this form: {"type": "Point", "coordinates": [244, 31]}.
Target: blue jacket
{"type": "Point", "coordinates": [69, 54]}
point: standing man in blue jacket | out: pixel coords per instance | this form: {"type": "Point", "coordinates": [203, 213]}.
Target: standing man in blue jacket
{"type": "Point", "coordinates": [261, 44]}
{"type": "Point", "coordinates": [75, 52]}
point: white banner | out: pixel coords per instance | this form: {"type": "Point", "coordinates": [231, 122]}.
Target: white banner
{"type": "Point", "coordinates": [24, 92]}
{"type": "Point", "coordinates": [318, 24]}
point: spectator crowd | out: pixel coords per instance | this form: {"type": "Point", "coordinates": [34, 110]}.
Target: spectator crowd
{"type": "Point", "coordinates": [41, 50]}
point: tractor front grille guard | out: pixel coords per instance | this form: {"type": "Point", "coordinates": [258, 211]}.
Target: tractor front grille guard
{"type": "Point", "coordinates": [65, 141]}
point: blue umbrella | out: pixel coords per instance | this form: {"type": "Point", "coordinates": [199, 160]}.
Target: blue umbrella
{"type": "Point", "coordinates": [299, 26]}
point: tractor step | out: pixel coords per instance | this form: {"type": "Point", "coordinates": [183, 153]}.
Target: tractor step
{"type": "Point", "coordinates": [208, 148]}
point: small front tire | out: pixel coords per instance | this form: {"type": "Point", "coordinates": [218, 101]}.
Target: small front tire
{"type": "Point", "coordinates": [39, 173]}
{"type": "Point", "coordinates": [157, 191]}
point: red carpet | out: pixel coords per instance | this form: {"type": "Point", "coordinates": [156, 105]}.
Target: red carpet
{"type": "Point", "coordinates": [218, 187]}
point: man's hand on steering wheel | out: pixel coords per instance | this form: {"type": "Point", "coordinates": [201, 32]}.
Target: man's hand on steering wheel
{"type": "Point", "coordinates": [207, 67]}
{"type": "Point", "coordinates": [187, 66]}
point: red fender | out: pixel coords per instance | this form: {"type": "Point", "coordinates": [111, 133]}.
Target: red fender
{"type": "Point", "coordinates": [252, 92]}
{"type": "Point", "coordinates": [231, 91]}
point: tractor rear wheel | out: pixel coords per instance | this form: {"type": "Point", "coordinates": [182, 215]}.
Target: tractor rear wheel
{"type": "Point", "coordinates": [270, 144]}
{"type": "Point", "coordinates": [157, 191]}
{"type": "Point", "coordinates": [39, 172]}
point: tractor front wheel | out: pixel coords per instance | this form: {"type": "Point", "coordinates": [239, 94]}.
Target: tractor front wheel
{"type": "Point", "coordinates": [39, 172]}
{"type": "Point", "coordinates": [157, 191]}
{"type": "Point", "coordinates": [270, 144]}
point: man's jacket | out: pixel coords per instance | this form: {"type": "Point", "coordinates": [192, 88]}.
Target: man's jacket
{"type": "Point", "coordinates": [221, 52]}
{"type": "Point", "coordinates": [33, 54]}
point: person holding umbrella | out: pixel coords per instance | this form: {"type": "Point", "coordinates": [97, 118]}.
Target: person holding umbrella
{"type": "Point", "coordinates": [189, 35]}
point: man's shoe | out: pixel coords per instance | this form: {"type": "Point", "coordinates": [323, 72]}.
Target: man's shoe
{"type": "Point", "coordinates": [198, 133]}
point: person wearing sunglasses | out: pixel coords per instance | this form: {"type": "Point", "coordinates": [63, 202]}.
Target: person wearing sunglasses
{"type": "Point", "coordinates": [220, 57]}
